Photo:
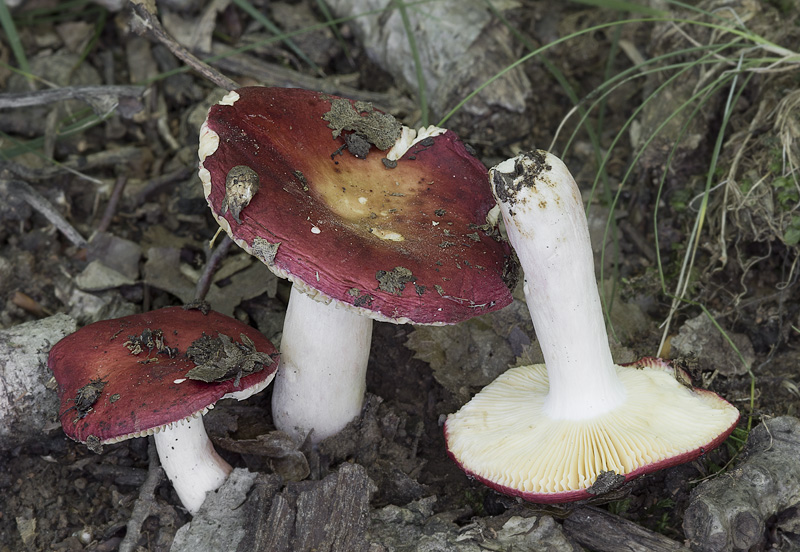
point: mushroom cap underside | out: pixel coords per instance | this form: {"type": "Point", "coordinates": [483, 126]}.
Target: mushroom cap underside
{"type": "Point", "coordinates": [111, 393]}
{"type": "Point", "coordinates": [503, 438]}
{"type": "Point", "coordinates": [409, 243]}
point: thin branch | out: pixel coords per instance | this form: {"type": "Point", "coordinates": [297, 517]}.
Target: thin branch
{"type": "Point", "coordinates": [154, 185]}
{"type": "Point", "coordinates": [40, 203]}
{"type": "Point", "coordinates": [271, 74]}
{"type": "Point", "coordinates": [204, 283]}
{"type": "Point", "coordinates": [113, 201]}
{"type": "Point", "coordinates": [110, 158]}
{"type": "Point", "coordinates": [88, 94]}
{"type": "Point", "coordinates": [145, 502]}
{"type": "Point", "coordinates": [146, 23]}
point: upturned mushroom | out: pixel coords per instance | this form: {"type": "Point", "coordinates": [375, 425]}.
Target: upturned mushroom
{"type": "Point", "coordinates": [156, 374]}
{"type": "Point", "coordinates": [578, 424]}
{"type": "Point", "coordinates": [367, 218]}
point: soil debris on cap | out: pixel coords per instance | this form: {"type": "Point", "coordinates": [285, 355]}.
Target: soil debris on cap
{"type": "Point", "coordinates": [357, 145]}
{"type": "Point", "coordinates": [220, 359]}
{"type": "Point", "coordinates": [380, 129]}
{"type": "Point", "coordinates": [93, 444]}
{"type": "Point", "coordinates": [395, 280]}
{"type": "Point", "coordinates": [86, 397]}
{"type": "Point", "coordinates": [150, 340]}
{"type": "Point", "coordinates": [241, 185]}
{"type": "Point", "coordinates": [302, 178]}
{"type": "Point", "coordinates": [360, 299]}
{"type": "Point", "coordinates": [264, 251]}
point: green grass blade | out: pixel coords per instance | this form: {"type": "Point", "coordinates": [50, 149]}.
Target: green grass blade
{"type": "Point", "coordinates": [271, 27]}
{"type": "Point", "coordinates": [57, 12]}
{"type": "Point", "coordinates": [623, 6]}
{"type": "Point", "coordinates": [535, 53]}
{"type": "Point", "coordinates": [412, 43]}
{"type": "Point", "coordinates": [7, 22]}
{"type": "Point", "coordinates": [31, 146]}
{"type": "Point", "coordinates": [326, 13]}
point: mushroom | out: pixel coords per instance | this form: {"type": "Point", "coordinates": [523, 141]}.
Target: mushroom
{"type": "Point", "coordinates": [157, 373]}
{"type": "Point", "coordinates": [298, 179]}
{"type": "Point", "coordinates": [579, 424]}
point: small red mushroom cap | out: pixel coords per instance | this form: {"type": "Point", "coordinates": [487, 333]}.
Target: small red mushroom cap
{"type": "Point", "coordinates": [109, 392]}
{"type": "Point", "coordinates": [296, 178]}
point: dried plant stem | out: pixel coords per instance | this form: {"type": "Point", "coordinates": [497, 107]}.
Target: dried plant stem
{"type": "Point", "coordinates": [204, 283]}
{"type": "Point", "coordinates": [144, 504]}
{"type": "Point", "coordinates": [113, 201]}
{"type": "Point", "coordinates": [147, 24]}
{"type": "Point", "coordinates": [40, 203]}
{"type": "Point", "coordinates": [156, 184]}
{"type": "Point", "coordinates": [89, 94]}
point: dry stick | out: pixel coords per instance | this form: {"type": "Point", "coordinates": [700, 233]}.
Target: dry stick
{"type": "Point", "coordinates": [87, 94]}
{"type": "Point", "coordinates": [144, 504]}
{"type": "Point", "coordinates": [602, 531]}
{"type": "Point", "coordinates": [38, 202]}
{"type": "Point", "coordinates": [204, 283]}
{"type": "Point", "coordinates": [113, 201]}
{"type": "Point", "coordinates": [155, 184]}
{"type": "Point", "coordinates": [145, 22]}
{"type": "Point", "coordinates": [125, 155]}
{"type": "Point", "coordinates": [272, 74]}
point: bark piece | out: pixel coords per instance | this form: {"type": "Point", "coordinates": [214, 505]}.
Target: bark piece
{"type": "Point", "coordinates": [415, 528]}
{"type": "Point", "coordinates": [220, 523]}
{"type": "Point", "coordinates": [279, 450]}
{"type": "Point", "coordinates": [26, 404]}
{"type": "Point", "coordinates": [323, 516]}
{"type": "Point", "coordinates": [730, 511]}
{"type": "Point", "coordinates": [599, 530]}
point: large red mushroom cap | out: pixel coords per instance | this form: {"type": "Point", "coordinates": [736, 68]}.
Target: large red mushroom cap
{"type": "Point", "coordinates": [303, 181]}
{"type": "Point", "coordinates": [114, 386]}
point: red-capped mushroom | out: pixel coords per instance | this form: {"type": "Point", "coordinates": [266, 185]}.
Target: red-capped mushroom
{"type": "Point", "coordinates": [156, 373]}
{"type": "Point", "coordinates": [569, 428]}
{"type": "Point", "coordinates": [368, 219]}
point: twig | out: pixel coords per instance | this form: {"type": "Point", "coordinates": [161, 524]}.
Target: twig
{"type": "Point", "coordinates": [204, 283]}
{"type": "Point", "coordinates": [126, 155]}
{"type": "Point", "coordinates": [603, 531]}
{"type": "Point", "coordinates": [88, 94]}
{"type": "Point", "coordinates": [155, 184]}
{"type": "Point", "coordinates": [144, 504]}
{"type": "Point", "coordinates": [113, 201]}
{"type": "Point", "coordinates": [638, 240]}
{"type": "Point", "coordinates": [146, 23]}
{"type": "Point", "coordinates": [272, 74]}
{"type": "Point", "coordinates": [40, 203]}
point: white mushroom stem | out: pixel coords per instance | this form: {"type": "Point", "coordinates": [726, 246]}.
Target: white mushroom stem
{"type": "Point", "coordinates": [190, 461]}
{"type": "Point", "coordinates": [189, 458]}
{"type": "Point", "coordinates": [545, 220]}
{"type": "Point", "coordinates": [319, 387]}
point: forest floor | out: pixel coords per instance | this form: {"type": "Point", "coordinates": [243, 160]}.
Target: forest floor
{"type": "Point", "coordinates": [705, 212]}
